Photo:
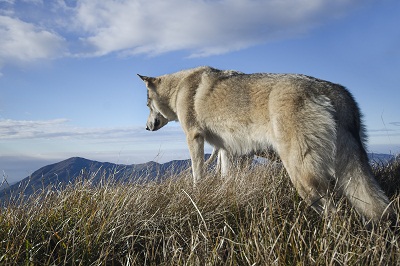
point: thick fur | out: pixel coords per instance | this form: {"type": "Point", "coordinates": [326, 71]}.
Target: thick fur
{"type": "Point", "coordinates": [313, 125]}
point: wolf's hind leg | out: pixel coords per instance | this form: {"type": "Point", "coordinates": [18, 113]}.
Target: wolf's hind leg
{"type": "Point", "coordinates": [311, 176]}
{"type": "Point", "coordinates": [314, 189]}
{"type": "Point", "coordinates": [304, 137]}
{"type": "Point", "coordinates": [224, 162]}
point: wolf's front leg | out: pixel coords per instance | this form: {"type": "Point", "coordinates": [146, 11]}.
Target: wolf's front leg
{"type": "Point", "coordinates": [196, 149]}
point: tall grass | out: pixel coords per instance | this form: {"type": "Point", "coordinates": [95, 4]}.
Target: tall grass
{"type": "Point", "coordinates": [254, 217]}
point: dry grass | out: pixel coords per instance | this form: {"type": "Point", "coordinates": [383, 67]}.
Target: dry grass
{"type": "Point", "coordinates": [253, 218]}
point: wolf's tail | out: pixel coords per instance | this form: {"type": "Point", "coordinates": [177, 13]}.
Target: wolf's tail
{"type": "Point", "coordinates": [356, 180]}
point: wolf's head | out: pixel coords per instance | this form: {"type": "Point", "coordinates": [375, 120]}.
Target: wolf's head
{"type": "Point", "coordinates": [157, 119]}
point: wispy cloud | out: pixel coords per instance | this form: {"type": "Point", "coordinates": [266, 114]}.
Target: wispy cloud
{"type": "Point", "coordinates": [58, 139]}
{"type": "Point", "coordinates": [57, 128]}
{"type": "Point", "coordinates": [7, 1]}
{"type": "Point", "coordinates": [385, 132]}
{"type": "Point", "coordinates": [202, 27]}
{"type": "Point", "coordinates": [24, 129]}
{"type": "Point", "coordinates": [62, 129]}
{"type": "Point", "coordinates": [392, 131]}
{"type": "Point", "coordinates": [23, 42]}
{"type": "Point", "coordinates": [36, 29]}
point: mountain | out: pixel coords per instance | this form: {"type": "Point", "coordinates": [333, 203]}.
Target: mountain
{"type": "Point", "coordinates": [380, 158]}
{"type": "Point", "coordinates": [64, 172]}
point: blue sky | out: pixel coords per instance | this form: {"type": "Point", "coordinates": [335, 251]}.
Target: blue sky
{"type": "Point", "coordinates": [68, 84]}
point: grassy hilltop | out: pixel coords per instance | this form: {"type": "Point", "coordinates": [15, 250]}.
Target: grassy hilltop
{"type": "Point", "coordinates": [255, 217]}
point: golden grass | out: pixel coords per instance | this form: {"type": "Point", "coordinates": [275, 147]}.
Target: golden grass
{"type": "Point", "coordinates": [254, 217]}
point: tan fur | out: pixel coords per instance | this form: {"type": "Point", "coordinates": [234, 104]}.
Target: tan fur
{"type": "Point", "coordinates": [313, 125]}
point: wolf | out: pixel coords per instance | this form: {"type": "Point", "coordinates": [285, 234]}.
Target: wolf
{"type": "Point", "coordinates": [313, 125]}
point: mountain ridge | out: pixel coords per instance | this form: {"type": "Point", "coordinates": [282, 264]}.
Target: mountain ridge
{"type": "Point", "coordinates": [66, 171]}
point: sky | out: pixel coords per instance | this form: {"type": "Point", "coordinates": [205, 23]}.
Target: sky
{"type": "Point", "coordinates": [68, 84]}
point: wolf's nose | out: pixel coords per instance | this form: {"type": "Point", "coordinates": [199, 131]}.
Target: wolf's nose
{"type": "Point", "coordinates": [147, 128]}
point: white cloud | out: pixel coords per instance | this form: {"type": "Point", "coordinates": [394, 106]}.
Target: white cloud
{"type": "Point", "coordinates": [129, 27]}
{"type": "Point", "coordinates": [23, 129]}
{"type": "Point", "coordinates": [36, 2]}
{"type": "Point", "coordinates": [62, 129]}
{"type": "Point", "coordinates": [57, 138]}
{"type": "Point", "coordinates": [200, 26]}
{"type": "Point", "coordinates": [50, 129]}
{"type": "Point", "coordinates": [7, 1]}
{"type": "Point", "coordinates": [23, 42]}
{"type": "Point", "coordinates": [395, 123]}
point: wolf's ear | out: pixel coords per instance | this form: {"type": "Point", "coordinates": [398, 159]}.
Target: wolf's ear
{"type": "Point", "coordinates": [149, 81]}
{"type": "Point", "coordinates": [146, 79]}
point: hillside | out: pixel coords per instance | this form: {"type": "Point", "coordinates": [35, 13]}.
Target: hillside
{"type": "Point", "coordinates": [65, 172]}
{"type": "Point", "coordinates": [252, 217]}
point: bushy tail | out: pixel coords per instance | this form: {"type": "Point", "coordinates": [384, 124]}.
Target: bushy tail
{"type": "Point", "coordinates": [356, 180]}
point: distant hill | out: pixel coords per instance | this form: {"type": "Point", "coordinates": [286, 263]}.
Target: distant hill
{"type": "Point", "coordinates": [380, 157]}
{"type": "Point", "coordinates": [67, 171]}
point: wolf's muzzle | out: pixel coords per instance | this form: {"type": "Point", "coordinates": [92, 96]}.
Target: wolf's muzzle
{"type": "Point", "coordinates": [154, 126]}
